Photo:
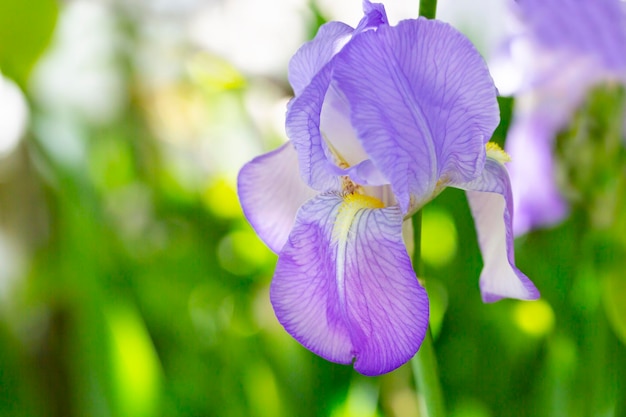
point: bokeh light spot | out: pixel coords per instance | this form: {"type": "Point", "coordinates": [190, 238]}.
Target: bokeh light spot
{"type": "Point", "coordinates": [262, 391]}
{"type": "Point", "coordinates": [215, 74]}
{"type": "Point", "coordinates": [135, 363]}
{"type": "Point", "coordinates": [241, 252]}
{"type": "Point", "coordinates": [221, 198]}
{"type": "Point", "coordinates": [535, 318]}
{"type": "Point", "coordinates": [361, 401]}
{"type": "Point", "coordinates": [439, 237]}
{"type": "Point", "coordinates": [14, 115]}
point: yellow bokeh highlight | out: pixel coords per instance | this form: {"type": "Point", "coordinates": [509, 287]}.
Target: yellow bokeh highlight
{"type": "Point", "coordinates": [214, 73]}
{"type": "Point", "coordinates": [241, 252]}
{"type": "Point", "coordinates": [535, 318]}
{"type": "Point", "coordinates": [136, 368]}
{"type": "Point", "coordinates": [262, 390]}
{"type": "Point", "coordinates": [439, 237]}
{"type": "Point", "coordinates": [220, 197]}
{"type": "Point", "coordinates": [361, 401]}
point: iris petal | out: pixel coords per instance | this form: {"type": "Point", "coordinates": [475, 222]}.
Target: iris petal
{"type": "Point", "coordinates": [310, 75]}
{"type": "Point", "coordinates": [491, 204]}
{"type": "Point", "coordinates": [313, 55]}
{"type": "Point", "coordinates": [270, 192]}
{"type": "Point", "coordinates": [535, 193]}
{"type": "Point", "coordinates": [594, 28]}
{"type": "Point", "coordinates": [422, 102]}
{"type": "Point", "coordinates": [344, 286]}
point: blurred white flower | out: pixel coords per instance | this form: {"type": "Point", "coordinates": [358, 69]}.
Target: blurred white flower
{"type": "Point", "coordinates": [13, 115]}
{"type": "Point", "coordinates": [79, 74]}
{"type": "Point", "coordinates": [257, 37]}
{"type": "Point", "coordinates": [485, 22]}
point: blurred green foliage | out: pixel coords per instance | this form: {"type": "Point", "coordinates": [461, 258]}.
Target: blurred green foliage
{"type": "Point", "coordinates": [25, 30]}
{"type": "Point", "coordinates": [142, 290]}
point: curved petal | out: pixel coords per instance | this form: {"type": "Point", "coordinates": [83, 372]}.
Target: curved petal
{"type": "Point", "coordinates": [536, 198]}
{"type": "Point", "coordinates": [375, 16]}
{"type": "Point", "coordinates": [491, 204]}
{"type": "Point", "coordinates": [312, 76]}
{"type": "Point", "coordinates": [422, 102]}
{"type": "Point", "coordinates": [337, 129]}
{"type": "Point", "coordinates": [302, 125]}
{"type": "Point", "coordinates": [313, 55]}
{"type": "Point", "coordinates": [330, 38]}
{"type": "Point", "coordinates": [344, 286]}
{"type": "Point", "coordinates": [270, 192]}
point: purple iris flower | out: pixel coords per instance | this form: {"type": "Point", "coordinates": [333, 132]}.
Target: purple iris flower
{"type": "Point", "coordinates": [563, 49]}
{"type": "Point", "coordinates": [383, 119]}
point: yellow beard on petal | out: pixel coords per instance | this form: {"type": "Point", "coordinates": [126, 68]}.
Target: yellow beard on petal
{"type": "Point", "coordinates": [348, 210]}
{"type": "Point", "coordinates": [494, 151]}
{"type": "Point", "coordinates": [348, 214]}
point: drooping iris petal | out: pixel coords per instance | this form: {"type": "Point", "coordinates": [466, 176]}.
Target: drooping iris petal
{"type": "Point", "coordinates": [344, 286]}
{"type": "Point", "coordinates": [303, 122]}
{"type": "Point", "coordinates": [422, 103]}
{"type": "Point", "coordinates": [491, 204]}
{"type": "Point", "coordinates": [537, 200]}
{"type": "Point", "coordinates": [270, 192]}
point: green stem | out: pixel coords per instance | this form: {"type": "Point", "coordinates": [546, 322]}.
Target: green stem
{"type": "Point", "coordinates": [424, 364]}
{"type": "Point", "coordinates": [416, 219]}
{"type": "Point", "coordinates": [428, 8]}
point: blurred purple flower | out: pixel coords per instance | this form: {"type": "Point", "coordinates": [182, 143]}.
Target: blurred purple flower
{"type": "Point", "coordinates": [384, 118]}
{"type": "Point", "coordinates": [564, 48]}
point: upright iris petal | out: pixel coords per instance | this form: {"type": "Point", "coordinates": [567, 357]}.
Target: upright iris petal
{"type": "Point", "coordinates": [422, 103]}
{"type": "Point", "coordinates": [383, 118]}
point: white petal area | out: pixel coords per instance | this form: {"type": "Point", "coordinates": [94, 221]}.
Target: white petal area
{"type": "Point", "coordinates": [257, 37]}
{"type": "Point", "coordinates": [491, 204]}
{"type": "Point", "coordinates": [14, 111]}
{"type": "Point", "coordinates": [337, 129]}
{"type": "Point", "coordinates": [271, 192]}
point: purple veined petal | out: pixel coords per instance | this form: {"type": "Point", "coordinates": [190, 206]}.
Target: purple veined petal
{"type": "Point", "coordinates": [491, 204]}
{"type": "Point", "coordinates": [329, 40]}
{"type": "Point", "coordinates": [595, 28]}
{"type": "Point", "coordinates": [310, 74]}
{"type": "Point", "coordinates": [271, 192]}
{"type": "Point", "coordinates": [363, 173]}
{"type": "Point", "coordinates": [344, 286]}
{"type": "Point", "coordinates": [302, 125]}
{"type": "Point", "coordinates": [375, 15]}
{"type": "Point", "coordinates": [340, 136]}
{"type": "Point", "coordinates": [422, 102]}
{"type": "Point", "coordinates": [313, 55]}
{"type": "Point", "coordinates": [537, 201]}
{"type": "Point", "coordinates": [366, 173]}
